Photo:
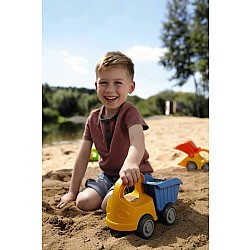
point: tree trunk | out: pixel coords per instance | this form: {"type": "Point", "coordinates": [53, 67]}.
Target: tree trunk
{"type": "Point", "coordinates": [197, 98]}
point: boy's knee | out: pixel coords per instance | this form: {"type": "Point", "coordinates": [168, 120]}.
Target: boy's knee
{"type": "Point", "coordinates": [88, 201]}
{"type": "Point", "coordinates": [82, 202]}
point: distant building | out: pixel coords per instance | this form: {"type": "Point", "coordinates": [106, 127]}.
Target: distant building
{"type": "Point", "coordinates": [173, 107]}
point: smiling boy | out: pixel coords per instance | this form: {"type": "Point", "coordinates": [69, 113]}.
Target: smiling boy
{"type": "Point", "coordinates": [116, 129]}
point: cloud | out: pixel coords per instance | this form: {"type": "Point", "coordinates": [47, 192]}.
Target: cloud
{"type": "Point", "coordinates": [142, 53]}
{"type": "Point", "coordinates": [77, 64]}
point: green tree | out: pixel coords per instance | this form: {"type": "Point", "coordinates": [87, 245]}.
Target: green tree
{"type": "Point", "coordinates": [65, 102]}
{"type": "Point", "coordinates": [199, 41]}
{"type": "Point", "coordinates": [92, 102]}
{"type": "Point", "coordinates": [175, 37]}
{"type": "Point", "coordinates": [46, 95]}
{"type": "Point", "coordinates": [82, 103]}
{"type": "Point", "coordinates": [187, 46]}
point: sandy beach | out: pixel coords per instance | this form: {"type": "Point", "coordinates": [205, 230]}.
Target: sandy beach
{"type": "Point", "coordinates": [70, 228]}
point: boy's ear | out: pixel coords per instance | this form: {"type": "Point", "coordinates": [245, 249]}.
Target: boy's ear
{"type": "Point", "coordinates": [95, 85]}
{"type": "Point", "coordinates": [132, 88]}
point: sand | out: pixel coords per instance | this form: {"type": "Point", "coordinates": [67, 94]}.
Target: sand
{"type": "Point", "coordinates": [70, 228]}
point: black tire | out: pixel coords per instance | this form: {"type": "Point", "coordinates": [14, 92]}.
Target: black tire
{"type": "Point", "coordinates": [145, 227]}
{"type": "Point", "coordinates": [168, 215]}
{"type": "Point", "coordinates": [191, 166]}
{"type": "Point", "coordinates": [205, 167]}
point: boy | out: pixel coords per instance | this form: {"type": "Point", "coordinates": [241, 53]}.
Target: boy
{"type": "Point", "coordinates": [116, 129]}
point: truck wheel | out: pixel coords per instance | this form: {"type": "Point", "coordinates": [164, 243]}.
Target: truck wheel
{"type": "Point", "coordinates": [168, 215]}
{"type": "Point", "coordinates": [205, 167]}
{"type": "Point", "coordinates": [191, 165]}
{"type": "Point", "coordinates": [145, 227]}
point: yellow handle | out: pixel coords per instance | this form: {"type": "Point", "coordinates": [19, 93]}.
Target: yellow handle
{"type": "Point", "coordinates": [120, 187]}
{"type": "Point", "coordinates": [203, 149]}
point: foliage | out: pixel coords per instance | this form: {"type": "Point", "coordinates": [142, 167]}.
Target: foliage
{"type": "Point", "coordinates": [59, 103]}
{"type": "Point", "coordinates": [47, 95]}
{"type": "Point", "coordinates": [134, 99]}
{"type": "Point", "coordinates": [155, 105]}
{"type": "Point", "coordinates": [82, 103]}
{"type": "Point", "coordinates": [185, 35]}
{"type": "Point", "coordinates": [49, 114]}
{"type": "Point", "coordinates": [67, 102]}
{"type": "Point", "coordinates": [92, 102]}
{"type": "Point", "coordinates": [175, 37]}
{"type": "Point", "coordinates": [199, 38]}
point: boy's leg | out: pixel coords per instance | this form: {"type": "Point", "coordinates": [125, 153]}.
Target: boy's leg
{"type": "Point", "coordinates": [88, 199]}
{"type": "Point", "coordinates": [105, 201]}
{"type": "Point", "coordinates": [100, 190]}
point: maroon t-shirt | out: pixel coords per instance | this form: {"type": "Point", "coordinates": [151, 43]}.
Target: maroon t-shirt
{"type": "Point", "coordinates": [113, 151]}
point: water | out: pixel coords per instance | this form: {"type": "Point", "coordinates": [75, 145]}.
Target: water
{"type": "Point", "coordinates": [67, 131]}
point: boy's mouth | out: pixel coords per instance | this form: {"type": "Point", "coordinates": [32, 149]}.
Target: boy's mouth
{"type": "Point", "coordinates": [111, 98]}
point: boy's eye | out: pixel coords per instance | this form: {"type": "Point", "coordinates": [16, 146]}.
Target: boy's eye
{"type": "Point", "coordinates": [102, 83]}
{"type": "Point", "coordinates": [118, 83]}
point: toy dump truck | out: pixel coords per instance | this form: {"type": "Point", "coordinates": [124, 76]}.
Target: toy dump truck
{"type": "Point", "coordinates": [194, 160]}
{"type": "Point", "coordinates": [151, 199]}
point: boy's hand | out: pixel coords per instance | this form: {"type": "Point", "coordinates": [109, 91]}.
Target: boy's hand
{"type": "Point", "coordinates": [67, 198]}
{"type": "Point", "coordinates": [130, 174]}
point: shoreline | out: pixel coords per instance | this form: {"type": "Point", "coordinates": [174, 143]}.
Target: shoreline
{"type": "Point", "coordinates": [164, 133]}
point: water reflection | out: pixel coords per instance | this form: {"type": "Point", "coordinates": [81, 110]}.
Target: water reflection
{"type": "Point", "coordinates": [67, 131]}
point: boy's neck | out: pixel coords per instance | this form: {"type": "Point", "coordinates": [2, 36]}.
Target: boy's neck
{"type": "Point", "coordinates": [107, 114]}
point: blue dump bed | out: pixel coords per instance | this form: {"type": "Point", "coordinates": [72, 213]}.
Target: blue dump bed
{"type": "Point", "coordinates": [162, 191]}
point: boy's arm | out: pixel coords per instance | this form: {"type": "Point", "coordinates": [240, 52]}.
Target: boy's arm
{"type": "Point", "coordinates": [130, 172]}
{"type": "Point", "coordinates": [78, 172]}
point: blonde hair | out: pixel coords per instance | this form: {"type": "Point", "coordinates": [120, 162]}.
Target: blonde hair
{"type": "Point", "coordinates": [115, 59]}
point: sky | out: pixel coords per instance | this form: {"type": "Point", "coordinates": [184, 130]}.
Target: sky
{"type": "Point", "coordinates": [75, 34]}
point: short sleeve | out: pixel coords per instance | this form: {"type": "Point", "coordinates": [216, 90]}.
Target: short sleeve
{"type": "Point", "coordinates": [86, 133]}
{"type": "Point", "coordinates": [133, 117]}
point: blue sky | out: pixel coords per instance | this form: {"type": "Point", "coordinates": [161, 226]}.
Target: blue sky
{"type": "Point", "coordinates": [75, 34]}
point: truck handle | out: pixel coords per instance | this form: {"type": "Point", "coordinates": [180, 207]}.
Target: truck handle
{"type": "Point", "coordinates": [119, 187]}
{"type": "Point", "coordinates": [203, 149]}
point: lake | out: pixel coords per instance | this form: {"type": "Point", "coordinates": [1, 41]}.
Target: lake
{"type": "Point", "coordinates": [67, 131]}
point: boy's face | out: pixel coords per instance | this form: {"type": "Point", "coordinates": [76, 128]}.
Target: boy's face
{"type": "Point", "coordinates": [113, 86]}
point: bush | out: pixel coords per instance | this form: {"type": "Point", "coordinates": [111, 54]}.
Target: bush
{"type": "Point", "coordinates": [143, 108]}
{"type": "Point", "coordinates": [50, 115]}
{"type": "Point", "coordinates": [68, 102]}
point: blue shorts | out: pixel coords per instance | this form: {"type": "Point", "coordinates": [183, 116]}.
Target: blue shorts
{"type": "Point", "coordinates": [104, 184]}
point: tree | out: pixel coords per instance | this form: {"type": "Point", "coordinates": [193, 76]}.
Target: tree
{"type": "Point", "coordinates": [199, 40]}
{"type": "Point", "coordinates": [185, 35]}
{"type": "Point", "coordinates": [46, 95]}
{"type": "Point", "coordinates": [65, 102]}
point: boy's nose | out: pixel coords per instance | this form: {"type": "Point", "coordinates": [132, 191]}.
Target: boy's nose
{"type": "Point", "coordinates": [109, 87]}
